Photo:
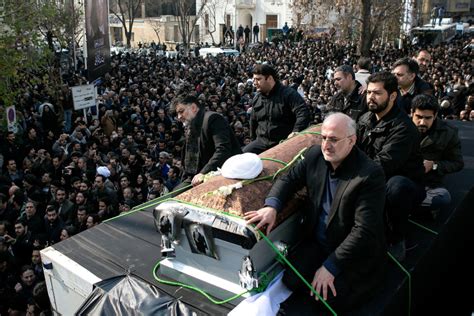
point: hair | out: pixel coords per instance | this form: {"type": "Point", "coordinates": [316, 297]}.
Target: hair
{"type": "Point", "coordinates": [364, 63]}
{"type": "Point", "coordinates": [105, 200]}
{"type": "Point", "coordinates": [351, 126]}
{"type": "Point", "coordinates": [420, 51]}
{"type": "Point", "coordinates": [71, 230]}
{"type": "Point", "coordinates": [25, 268]}
{"type": "Point", "coordinates": [102, 177]}
{"type": "Point", "coordinates": [425, 102]}
{"type": "Point", "coordinates": [346, 70]}
{"type": "Point", "coordinates": [124, 176]}
{"type": "Point", "coordinates": [38, 248]}
{"type": "Point", "coordinates": [82, 208]}
{"type": "Point", "coordinates": [40, 296]}
{"type": "Point", "coordinates": [176, 170]}
{"type": "Point", "coordinates": [95, 218]}
{"type": "Point", "coordinates": [21, 221]}
{"type": "Point", "coordinates": [390, 83]}
{"type": "Point", "coordinates": [411, 64]}
{"type": "Point", "coordinates": [51, 208]}
{"type": "Point", "coordinates": [159, 178]}
{"type": "Point", "coordinates": [265, 70]}
{"type": "Point", "coordinates": [186, 100]}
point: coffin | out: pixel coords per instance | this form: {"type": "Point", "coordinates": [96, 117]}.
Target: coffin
{"type": "Point", "coordinates": [206, 241]}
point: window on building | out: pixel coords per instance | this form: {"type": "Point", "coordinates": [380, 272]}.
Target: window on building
{"type": "Point", "coordinates": [228, 20]}
{"type": "Point", "coordinates": [272, 21]}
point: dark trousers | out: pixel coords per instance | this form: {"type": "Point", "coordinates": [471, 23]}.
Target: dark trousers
{"type": "Point", "coordinates": [307, 258]}
{"type": "Point", "coordinates": [402, 195]}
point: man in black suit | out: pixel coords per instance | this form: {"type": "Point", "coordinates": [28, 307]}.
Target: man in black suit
{"type": "Point", "coordinates": [209, 140]}
{"type": "Point", "coordinates": [343, 252]}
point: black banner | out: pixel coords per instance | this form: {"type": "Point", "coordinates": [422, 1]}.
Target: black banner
{"type": "Point", "coordinates": [97, 36]}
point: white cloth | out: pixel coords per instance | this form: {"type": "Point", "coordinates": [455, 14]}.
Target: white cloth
{"type": "Point", "coordinates": [243, 166]}
{"type": "Point", "coordinates": [104, 171]}
{"type": "Point", "coordinates": [264, 303]}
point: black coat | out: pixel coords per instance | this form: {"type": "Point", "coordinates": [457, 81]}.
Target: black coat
{"type": "Point", "coordinates": [275, 116]}
{"type": "Point", "coordinates": [393, 142]}
{"type": "Point", "coordinates": [421, 87]}
{"type": "Point", "coordinates": [216, 141]}
{"type": "Point", "coordinates": [355, 228]}
{"type": "Point", "coordinates": [355, 107]}
{"type": "Point", "coordinates": [441, 145]}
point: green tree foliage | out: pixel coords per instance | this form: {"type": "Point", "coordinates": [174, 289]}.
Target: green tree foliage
{"type": "Point", "coordinates": [31, 31]}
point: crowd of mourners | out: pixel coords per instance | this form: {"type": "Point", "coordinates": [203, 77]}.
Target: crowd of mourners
{"type": "Point", "coordinates": [63, 172]}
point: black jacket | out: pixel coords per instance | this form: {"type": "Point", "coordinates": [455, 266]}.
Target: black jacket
{"type": "Point", "coordinates": [393, 142]}
{"type": "Point", "coordinates": [441, 145]}
{"type": "Point", "coordinates": [421, 87]}
{"type": "Point", "coordinates": [355, 229]}
{"type": "Point", "coordinates": [275, 116]}
{"type": "Point", "coordinates": [355, 107]}
{"type": "Point", "coordinates": [217, 141]}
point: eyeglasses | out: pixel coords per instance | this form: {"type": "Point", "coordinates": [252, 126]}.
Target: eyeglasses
{"type": "Point", "coordinates": [332, 140]}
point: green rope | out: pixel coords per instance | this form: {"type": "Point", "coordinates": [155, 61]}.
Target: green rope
{"type": "Point", "coordinates": [409, 280]}
{"type": "Point", "coordinates": [193, 288]}
{"type": "Point", "coordinates": [308, 132]}
{"type": "Point", "coordinates": [423, 227]}
{"type": "Point", "coordinates": [291, 163]}
{"type": "Point", "coordinates": [274, 160]}
{"type": "Point", "coordinates": [271, 176]}
{"type": "Point", "coordinates": [270, 243]}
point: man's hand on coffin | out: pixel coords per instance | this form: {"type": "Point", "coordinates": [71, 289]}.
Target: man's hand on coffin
{"type": "Point", "coordinates": [322, 280]}
{"type": "Point", "coordinates": [197, 179]}
{"type": "Point", "coordinates": [264, 216]}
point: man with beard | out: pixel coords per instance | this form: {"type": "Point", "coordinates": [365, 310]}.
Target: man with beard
{"type": "Point", "coordinates": [209, 139]}
{"type": "Point", "coordinates": [387, 135]}
{"type": "Point", "coordinates": [348, 99]}
{"type": "Point", "coordinates": [441, 150]}
{"type": "Point", "coordinates": [53, 224]}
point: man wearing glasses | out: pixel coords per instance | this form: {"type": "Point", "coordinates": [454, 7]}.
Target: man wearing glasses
{"type": "Point", "coordinates": [388, 136]}
{"type": "Point", "coordinates": [342, 254]}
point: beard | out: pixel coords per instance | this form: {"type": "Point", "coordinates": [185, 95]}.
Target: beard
{"type": "Point", "coordinates": [422, 129]}
{"type": "Point", "coordinates": [377, 107]}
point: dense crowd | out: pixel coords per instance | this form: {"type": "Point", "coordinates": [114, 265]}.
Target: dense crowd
{"type": "Point", "coordinates": [63, 173]}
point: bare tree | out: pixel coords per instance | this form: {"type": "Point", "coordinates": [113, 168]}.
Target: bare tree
{"type": "Point", "coordinates": [211, 9]}
{"type": "Point", "coordinates": [126, 11]}
{"type": "Point", "coordinates": [368, 17]}
{"type": "Point", "coordinates": [187, 15]}
{"type": "Point", "coordinates": [156, 25]}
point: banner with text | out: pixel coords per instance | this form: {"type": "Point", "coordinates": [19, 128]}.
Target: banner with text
{"type": "Point", "coordinates": [97, 37]}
